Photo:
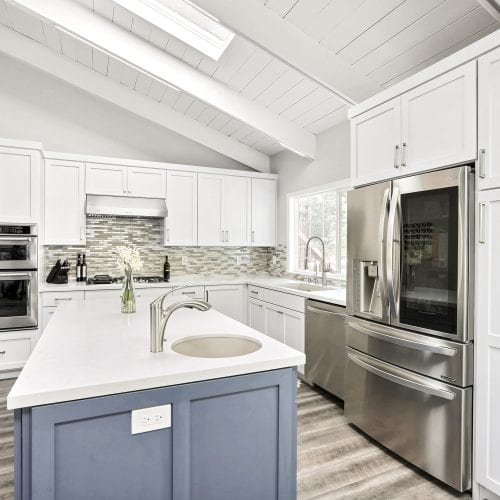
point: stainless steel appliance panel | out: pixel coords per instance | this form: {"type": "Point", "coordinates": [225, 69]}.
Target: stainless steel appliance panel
{"type": "Point", "coordinates": [429, 253]}
{"type": "Point", "coordinates": [325, 342]}
{"type": "Point", "coordinates": [18, 251]}
{"type": "Point", "coordinates": [367, 218]}
{"type": "Point", "coordinates": [18, 299]}
{"type": "Point", "coordinates": [426, 422]}
{"type": "Point", "coordinates": [444, 360]}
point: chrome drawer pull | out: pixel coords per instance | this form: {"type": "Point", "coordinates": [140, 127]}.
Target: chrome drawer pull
{"type": "Point", "coordinates": [188, 293]}
{"type": "Point", "coordinates": [59, 299]}
{"type": "Point", "coordinates": [3, 352]}
{"type": "Point", "coordinates": [482, 173]}
{"type": "Point", "coordinates": [445, 351]}
{"type": "Point", "coordinates": [254, 292]}
{"type": "Point", "coordinates": [482, 238]}
{"type": "Point", "coordinates": [396, 154]}
{"type": "Point", "coordinates": [440, 393]}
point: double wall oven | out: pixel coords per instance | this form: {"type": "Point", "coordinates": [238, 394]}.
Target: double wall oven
{"type": "Point", "coordinates": [409, 367]}
{"type": "Point", "coordinates": [18, 277]}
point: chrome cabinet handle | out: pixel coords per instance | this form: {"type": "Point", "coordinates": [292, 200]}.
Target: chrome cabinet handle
{"type": "Point", "coordinates": [254, 292]}
{"type": "Point", "coordinates": [482, 207]}
{"type": "Point", "coordinates": [129, 191]}
{"type": "Point", "coordinates": [323, 311]}
{"type": "Point", "coordinates": [420, 346]}
{"type": "Point", "coordinates": [482, 173]}
{"type": "Point", "coordinates": [124, 190]}
{"type": "Point", "coordinates": [168, 234]}
{"type": "Point", "coordinates": [403, 156]}
{"type": "Point", "coordinates": [227, 236]}
{"type": "Point", "coordinates": [63, 299]}
{"type": "Point", "coordinates": [3, 352]}
{"type": "Point", "coordinates": [252, 238]}
{"type": "Point", "coordinates": [396, 154]}
{"type": "Point", "coordinates": [188, 293]}
{"type": "Point", "coordinates": [400, 380]}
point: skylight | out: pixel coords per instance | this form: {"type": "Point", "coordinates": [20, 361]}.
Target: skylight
{"type": "Point", "coordinates": [185, 21]}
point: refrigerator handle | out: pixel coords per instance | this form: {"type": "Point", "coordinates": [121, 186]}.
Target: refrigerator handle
{"type": "Point", "coordinates": [392, 279]}
{"type": "Point", "coordinates": [383, 247]}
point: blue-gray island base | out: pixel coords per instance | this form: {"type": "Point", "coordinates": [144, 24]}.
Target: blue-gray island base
{"type": "Point", "coordinates": [232, 438]}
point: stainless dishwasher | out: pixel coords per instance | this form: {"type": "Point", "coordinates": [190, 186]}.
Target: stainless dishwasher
{"type": "Point", "coordinates": [325, 343]}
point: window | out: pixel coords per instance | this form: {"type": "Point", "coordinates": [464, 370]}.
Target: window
{"type": "Point", "coordinates": [318, 212]}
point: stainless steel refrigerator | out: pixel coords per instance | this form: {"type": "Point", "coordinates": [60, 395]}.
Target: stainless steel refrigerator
{"type": "Point", "coordinates": [409, 360]}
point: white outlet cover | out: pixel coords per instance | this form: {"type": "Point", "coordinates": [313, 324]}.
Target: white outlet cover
{"type": "Point", "coordinates": [151, 419]}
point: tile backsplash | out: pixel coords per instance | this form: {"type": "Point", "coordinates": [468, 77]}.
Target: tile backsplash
{"type": "Point", "coordinates": [106, 234]}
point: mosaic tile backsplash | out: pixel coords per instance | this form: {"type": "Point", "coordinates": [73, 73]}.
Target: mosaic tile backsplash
{"type": "Point", "coordinates": [106, 235]}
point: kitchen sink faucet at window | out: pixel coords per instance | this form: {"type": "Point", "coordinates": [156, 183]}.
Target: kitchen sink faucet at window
{"type": "Point", "coordinates": [323, 267]}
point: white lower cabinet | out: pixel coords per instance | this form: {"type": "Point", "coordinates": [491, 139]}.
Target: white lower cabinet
{"type": "Point", "coordinates": [487, 343]}
{"type": "Point", "coordinates": [51, 300]}
{"type": "Point", "coordinates": [228, 300]}
{"type": "Point", "coordinates": [256, 315]}
{"type": "Point", "coordinates": [15, 349]}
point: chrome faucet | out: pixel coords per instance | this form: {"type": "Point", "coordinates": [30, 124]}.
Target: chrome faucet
{"type": "Point", "coordinates": [159, 317]}
{"type": "Point", "coordinates": [323, 269]}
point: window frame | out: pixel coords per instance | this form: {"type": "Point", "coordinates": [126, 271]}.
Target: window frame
{"type": "Point", "coordinates": [343, 185]}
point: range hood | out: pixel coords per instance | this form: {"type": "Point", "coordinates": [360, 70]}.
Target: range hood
{"type": "Point", "coordinates": [126, 206]}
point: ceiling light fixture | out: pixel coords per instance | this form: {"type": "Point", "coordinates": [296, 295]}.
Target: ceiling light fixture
{"type": "Point", "coordinates": [114, 56]}
{"type": "Point", "coordinates": [185, 21]}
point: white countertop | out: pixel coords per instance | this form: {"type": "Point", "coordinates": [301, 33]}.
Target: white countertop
{"type": "Point", "coordinates": [91, 349]}
{"type": "Point", "coordinates": [336, 296]}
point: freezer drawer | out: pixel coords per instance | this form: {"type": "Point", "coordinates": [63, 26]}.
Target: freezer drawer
{"type": "Point", "coordinates": [441, 359]}
{"type": "Point", "coordinates": [325, 346]}
{"type": "Point", "coordinates": [426, 422]}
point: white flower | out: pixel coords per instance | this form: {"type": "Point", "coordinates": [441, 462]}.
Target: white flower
{"type": "Point", "coordinates": [129, 259]}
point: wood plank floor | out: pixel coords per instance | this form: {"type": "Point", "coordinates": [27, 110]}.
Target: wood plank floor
{"type": "Point", "coordinates": [335, 461]}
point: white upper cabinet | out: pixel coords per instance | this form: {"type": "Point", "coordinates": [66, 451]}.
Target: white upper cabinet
{"type": "Point", "coordinates": [487, 343]}
{"type": "Point", "coordinates": [18, 185]}
{"type": "Point", "coordinates": [439, 121]}
{"type": "Point", "coordinates": [489, 120]}
{"type": "Point", "coordinates": [108, 180]}
{"type": "Point", "coordinates": [64, 203]}
{"type": "Point", "coordinates": [211, 210]}
{"type": "Point", "coordinates": [431, 126]}
{"type": "Point", "coordinates": [238, 206]}
{"type": "Point", "coordinates": [375, 143]}
{"type": "Point", "coordinates": [119, 180]}
{"type": "Point", "coordinates": [147, 182]}
{"type": "Point", "coordinates": [181, 225]}
{"type": "Point", "coordinates": [263, 212]}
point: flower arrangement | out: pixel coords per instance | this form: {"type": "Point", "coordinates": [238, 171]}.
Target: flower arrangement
{"type": "Point", "coordinates": [129, 261]}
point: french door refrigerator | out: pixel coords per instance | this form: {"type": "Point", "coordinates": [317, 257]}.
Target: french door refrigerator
{"type": "Point", "coordinates": [409, 360]}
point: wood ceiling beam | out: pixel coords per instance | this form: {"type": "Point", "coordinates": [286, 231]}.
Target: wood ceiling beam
{"type": "Point", "coordinates": [28, 51]}
{"type": "Point", "coordinates": [264, 27]}
{"type": "Point", "coordinates": [103, 34]}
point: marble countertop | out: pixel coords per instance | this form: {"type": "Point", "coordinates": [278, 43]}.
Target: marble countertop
{"type": "Point", "coordinates": [91, 349]}
{"type": "Point", "coordinates": [333, 296]}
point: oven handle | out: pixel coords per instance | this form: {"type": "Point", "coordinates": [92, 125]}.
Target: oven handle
{"type": "Point", "coordinates": [440, 393]}
{"type": "Point", "coordinates": [445, 351]}
{"type": "Point", "coordinates": [14, 275]}
{"type": "Point", "coordinates": [15, 239]}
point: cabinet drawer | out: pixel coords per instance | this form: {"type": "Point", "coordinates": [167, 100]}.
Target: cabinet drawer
{"type": "Point", "coordinates": [283, 299]}
{"type": "Point", "coordinates": [50, 299]}
{"type": "Point", "coordinates": [190, 292]}
{"type": "Point", "coordinates": [14, 352]}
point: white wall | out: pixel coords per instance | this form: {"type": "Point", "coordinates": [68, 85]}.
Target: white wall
{"type": "Point", "coordinates": [332, 164]}
{"type": "Point", "coordinates": [35, 106]}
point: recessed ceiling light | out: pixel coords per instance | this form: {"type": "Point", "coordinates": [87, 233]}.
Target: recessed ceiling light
{"type": "Point", "coordinates": [185, 21]}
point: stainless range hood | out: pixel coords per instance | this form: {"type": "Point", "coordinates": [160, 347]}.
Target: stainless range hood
{"type": "Point", "coordinates": [126, 206]}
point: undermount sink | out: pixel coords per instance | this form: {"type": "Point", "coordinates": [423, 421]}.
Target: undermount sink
{"type": "Point", "coordinates": [216, 346]}
{"type": "Point", "coordinates": [307, 287]}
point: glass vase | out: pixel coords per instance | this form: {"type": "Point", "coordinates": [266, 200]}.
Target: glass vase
{"type": "Point", "coordinates": [128, 293]}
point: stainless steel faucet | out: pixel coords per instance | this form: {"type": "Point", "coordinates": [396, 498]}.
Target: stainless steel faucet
{"type": "Point", "coordinates": [323, 270]}
{"type": "Point", "coordinates": [159, 317]}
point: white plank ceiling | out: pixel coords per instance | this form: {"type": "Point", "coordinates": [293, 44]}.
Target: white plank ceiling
{"type": "Point", "coordinates": [388, 40]}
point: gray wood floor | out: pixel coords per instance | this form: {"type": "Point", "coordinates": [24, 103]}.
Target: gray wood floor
{"type": "Point", "coordinates": [334, 459]}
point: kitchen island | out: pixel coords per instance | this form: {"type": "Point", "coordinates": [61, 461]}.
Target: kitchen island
{"type": "Point", "coordinates": [228, 423]}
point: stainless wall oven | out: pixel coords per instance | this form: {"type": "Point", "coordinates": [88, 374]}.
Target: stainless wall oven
{"type": "Point", "coordinates": [18, 277]}
{"type": "Point", "coordinates": [409, 363]}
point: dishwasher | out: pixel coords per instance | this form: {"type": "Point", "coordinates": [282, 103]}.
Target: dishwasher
{"type": "Point", "coordinates": [325, 343]}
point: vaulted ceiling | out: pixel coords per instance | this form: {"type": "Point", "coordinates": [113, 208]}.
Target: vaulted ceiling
{"type": "Point", "coordinates": [291, 72]}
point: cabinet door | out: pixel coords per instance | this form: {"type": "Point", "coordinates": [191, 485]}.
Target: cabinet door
{"type": "Point", "coordinates": [210, 210]}
{"type": "Point", "coordinates": [147, 182]}
{"type": "Point", "coordinates": [106, 179]}
{"type": "Point", "coordinates": [439, 121]}
{"type": "Point", "coordinates": [375, 143]}
{"type": "Point", "coordinates": [181, 225]}
{"type": "Point", "coordinates": [64, 203]}
{"type": "Point", "coordinates": [256, 315]}
{"type": "Point", "coordinates": [489, 120]}
{"type": "Point", "coordinates": [274, 324]}
{"type": "Point", "coordinates": [227, 299]}
{"type": "Point", "coordinates": [18, 185]}
{"type": "Point", "coordinates": [238, 203]}
{"type": "Point", "coordinates": [487, 343]}
{"type": "Point", "coordinates": [294, 332]}
{"type": "Point", "coordinates": [264, 212]}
